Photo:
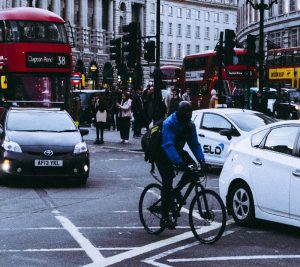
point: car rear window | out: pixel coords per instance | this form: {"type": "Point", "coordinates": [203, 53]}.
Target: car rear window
{"type": "Point", "coordinates": [250, 121]}
{"type": "Point", "coordinates": [39, 121]}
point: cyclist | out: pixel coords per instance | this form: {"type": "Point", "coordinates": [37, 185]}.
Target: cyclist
{"type": "Point", "coordinates": [177, 130]}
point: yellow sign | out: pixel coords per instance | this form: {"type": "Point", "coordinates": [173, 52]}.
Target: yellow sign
{"type": "Point", "coordinates": [281, 74]}
{"type": "Point", "coordinates": [94, 68]}
{"type": "Point", "coordinates": [4, 82]}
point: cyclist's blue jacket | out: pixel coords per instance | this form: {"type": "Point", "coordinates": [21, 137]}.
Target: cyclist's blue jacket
{"type": "Point", "coordinates": [171, 144]}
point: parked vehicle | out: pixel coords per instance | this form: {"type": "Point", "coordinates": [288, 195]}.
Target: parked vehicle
{"type": "Point", "coordinates": [268, 99]}
{"type": "Point", "coordinates": [287, 105]}
{"type": "Point", "coordinates": [217, 128]}
{"type": "Point", "coordinates": [37, 142]}
{"type": "Point", "coordinates": [260, 176]}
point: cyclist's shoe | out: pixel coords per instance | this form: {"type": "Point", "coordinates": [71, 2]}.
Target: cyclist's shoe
{"type": "Point", "coordinates": [168, 223]}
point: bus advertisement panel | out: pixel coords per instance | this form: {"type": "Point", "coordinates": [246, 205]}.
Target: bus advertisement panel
{"type": "Point", "coordinates": [35, 56]}
{"type": "Point", "coordinates": [283, 67]}
{"type": "Point", "coordinates": [200, 74]}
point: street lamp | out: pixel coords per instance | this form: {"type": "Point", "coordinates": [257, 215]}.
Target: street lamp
{"type": "Point", "coordinates": [261, 7]}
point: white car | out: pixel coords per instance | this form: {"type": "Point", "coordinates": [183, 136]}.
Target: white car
{"type": "Point", "coordinates": [261, 175]}
{"type": "Point", "coordinates": [217, 128]}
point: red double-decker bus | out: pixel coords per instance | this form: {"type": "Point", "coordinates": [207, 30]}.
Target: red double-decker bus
{"type": "Point", "coordinates": [35, 55]}
{"type": "Point", "coordinates": [200, 74]}
{"type": "Point", "coordinates": [170, 75]}
{"type": "Point", "coordinates": [283, 67]}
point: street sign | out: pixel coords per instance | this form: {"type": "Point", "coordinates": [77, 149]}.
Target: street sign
{"type": "Point", "coordinates": [76, 78]}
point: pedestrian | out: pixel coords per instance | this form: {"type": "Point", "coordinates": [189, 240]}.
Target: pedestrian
{"type": "Point", "coordinates": [113, 111]}
{"type": "Point", "coordinates": [137, 111]}
{"type": "Point", "coordinates": [100, 114]}
{"type": "Point", "coordinates": [212, 101]}
{"type": "Point", "coordinates": [76, 107]}
{"type": "Point", "coordinates": [174, 102]}
{"type": "Point", "coordinates": [187, 95]}
{"type": "Point", "coordinates": [148, 100]}
{"type": "Point", "coordinates": [125, 117]}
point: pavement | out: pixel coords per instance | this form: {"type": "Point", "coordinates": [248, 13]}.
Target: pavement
{"type": "Point", "coordinates": [112, 139]}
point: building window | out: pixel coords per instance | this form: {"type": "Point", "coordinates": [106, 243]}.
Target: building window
{"type": "Point", "coordinates": [280, 7]}
{"type": "Point", "coordinates": [198, 15]}
{"type": "Point", "coordinates": [161, 9]}
{"type": "Point", "coordinates": [179, 12]}
{"type": "Point", "coordinates": [170, 11]}
{"type": "Point", "coordinates": [179, 32]}
{"type": "Point", "coordinates": [207, 32]}
{"type": "Point", "coordinates": [188, 49]}
{"type": "Point", "coordinates": [206, 47]}
{"type": "Point", "coordinates": [216, 17]}
{"type": "Point", "coordinates": [293, 38]}
{"type": "Point", "coordinates": [207, 16]}
{"type": "Point", "coordinates": [152, 27]}
{"type": "Point", "coordinates": [170, 28]}
{"type": "Point", "coordinates": [197, 34]}
{"type": "Point", "coordinates": [197, 49]}
{"type": "Point", "coordinates": [161, 27]}
{"type": "Point", "coordinates": [170, 50]}
{"type": "Point", "coordinates": [188, 13]}
{"type": "Point", "coordinates": [178, 52]}
{"type": "Point", "coordinates": [226, 19]}
{"type": "Point", "coordinates": [161, 49]}
{"type": "Point", "coordinates": [271, 12]}
{"type": "Point", "coordinates": [152, 8]}
{"type": "Point", "coordinates": [216, 34]}
{"type": "Point", "coordinates": [292, 5]}
{"type": "Point", "coordinates": [278, 39]}
{"type": "Point", "coordinates": [188, 30]}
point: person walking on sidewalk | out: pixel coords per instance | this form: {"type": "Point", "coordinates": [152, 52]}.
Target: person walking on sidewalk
{"type": "Point", "coordinates": [137, 110]}
{"type": "Point", "coordinates": [125, 116]}
{"type": "Point", "coordinates": [100, 113]}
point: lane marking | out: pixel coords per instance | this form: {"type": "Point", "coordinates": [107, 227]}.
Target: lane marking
{"type": "Point", "coordinates": [150, 247]}
{"type": "Point", "coordinates": [83, 228]}
{"type": "Point", "coordinates": [152, 260]}
{"type": "Point", "coordinates": [92, 252]}
{"type": "Point", "coordinates": [233, 258]}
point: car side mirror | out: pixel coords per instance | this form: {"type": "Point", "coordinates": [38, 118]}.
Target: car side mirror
{"type": "Point", "coordinates": [84, 132]}
{"type": "Point", "coordinates": [227, 133]}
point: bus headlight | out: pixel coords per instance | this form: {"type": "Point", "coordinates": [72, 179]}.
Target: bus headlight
{"type": "Point", "coordinates": [11, 146]}
{"type": "Point", "coordinates": [80, 148]}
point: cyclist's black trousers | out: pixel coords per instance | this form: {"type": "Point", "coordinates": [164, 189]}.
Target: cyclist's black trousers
{"type": "Point", "coordinates": [167, 173]}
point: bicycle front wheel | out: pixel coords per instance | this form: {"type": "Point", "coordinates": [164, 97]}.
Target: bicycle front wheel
{"type": "Point", "coordinates": [207, 216]}
{"type": "Point", "coordinates": [150, 210]}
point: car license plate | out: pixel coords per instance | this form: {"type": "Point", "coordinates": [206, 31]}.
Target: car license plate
{"type": "Point", "coordinates": [48, 163]}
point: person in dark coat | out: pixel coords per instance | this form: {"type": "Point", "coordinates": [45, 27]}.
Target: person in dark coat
{"type": "Point", "coordinates": [100, 115]}
{"type": "Point", "coordinates": [174, 102]}
{"type": "Point", "coordinates": [137, 110]}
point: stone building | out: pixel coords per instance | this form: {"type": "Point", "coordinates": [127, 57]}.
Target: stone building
{"type": "Point", "coordinates": [281, 24]}
{"type": "Point", "coordinates": [186, 27]}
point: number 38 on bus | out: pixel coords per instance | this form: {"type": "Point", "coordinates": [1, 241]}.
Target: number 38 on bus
{"type": "Point", "coordinates": [35, 55]}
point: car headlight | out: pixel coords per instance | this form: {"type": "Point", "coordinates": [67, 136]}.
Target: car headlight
{"type": "Point", "coordinates": [297, 107]}
{"type": "Point", "coordinates": [80, 148]}
{"type": "Point", "coordinates": [11, 146]}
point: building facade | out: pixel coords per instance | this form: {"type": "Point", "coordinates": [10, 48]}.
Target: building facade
{"type": "Point", "coordinates": [186, 27]}
{"type": "Point", "coordinates": [281, 24]}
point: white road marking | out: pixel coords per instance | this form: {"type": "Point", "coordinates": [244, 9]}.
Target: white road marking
{"type": "Point", "coordinates": [233, 258]}
{"type": "Point", "coordinates": [62, 249]}
{"type": "Point", "coordinates": [152, 260]}
{"type": "Point", "coordinates": [150, 247]}
{"type": "Point", "coordinates": [119, 159]}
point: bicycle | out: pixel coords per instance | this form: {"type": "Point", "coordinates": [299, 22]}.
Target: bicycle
{"type": "Point", "coordinates": [206, 209]}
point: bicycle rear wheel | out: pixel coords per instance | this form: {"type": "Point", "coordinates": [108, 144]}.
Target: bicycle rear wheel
{"type": "Point", "coordinates": [207, 224]}
{"type": "Point", "coordinates": [150, 209]}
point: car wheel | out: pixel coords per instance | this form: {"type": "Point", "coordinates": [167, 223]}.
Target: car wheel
{"type": "Point", "coordinates": [241, 205]}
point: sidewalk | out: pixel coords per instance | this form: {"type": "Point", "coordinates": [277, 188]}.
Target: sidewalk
{"type": "Point", "coordinates": [113, 139]}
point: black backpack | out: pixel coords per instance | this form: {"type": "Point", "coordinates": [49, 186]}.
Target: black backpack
{"type": "Point", "coordinates": [151, 141]}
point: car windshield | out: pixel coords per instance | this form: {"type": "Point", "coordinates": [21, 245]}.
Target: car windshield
{"type": "Point", "coordinates": [45, 121]}
{"type": "Point", "coordinates": [249, 121]}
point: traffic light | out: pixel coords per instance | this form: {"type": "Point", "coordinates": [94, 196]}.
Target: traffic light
{"type": "Point", "coordinates": [251, 49]}
{"type": "Point", "coordinates": [149, 51]}
{"type": "Point", "coordinates": [229, 46]}
{"type": "Point", "coordinates": [130, 43]}
{"type": "Point", "coordinates": [115, 51]}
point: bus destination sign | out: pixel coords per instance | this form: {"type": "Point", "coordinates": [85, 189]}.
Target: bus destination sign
{"type": "Point", "coordinates": [47, 60]}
